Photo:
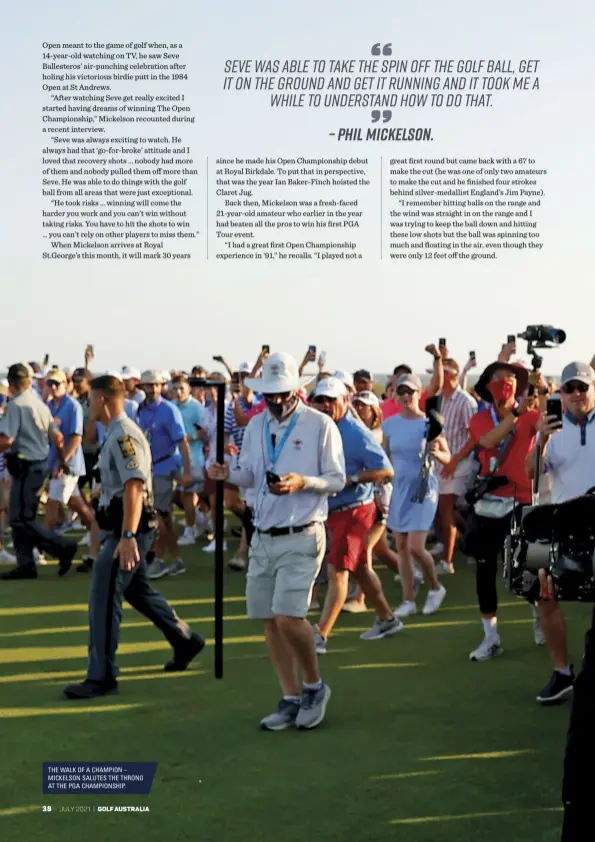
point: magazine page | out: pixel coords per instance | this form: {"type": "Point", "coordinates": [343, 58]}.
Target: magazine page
{"type": "Point", "coordinates": [295, 404]}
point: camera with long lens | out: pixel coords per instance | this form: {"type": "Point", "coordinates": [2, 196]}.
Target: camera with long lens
{"type": "Point", "coordinates": [541, 336]}
{"type": "Point", "coordinates": [559, 539]}
{"type": "Point", "coordinates": [434, 428]}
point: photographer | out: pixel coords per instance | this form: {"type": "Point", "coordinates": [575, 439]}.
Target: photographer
{"type": "Point", "coordinates": [568, 457]}
{"type": "Point", "coordinates": [504, 434]}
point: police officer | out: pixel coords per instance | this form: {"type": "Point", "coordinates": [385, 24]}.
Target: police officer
{"type": "Point", "coordinates": [24, 432]}
{"type": "Point", "coordinates": [126, 519]}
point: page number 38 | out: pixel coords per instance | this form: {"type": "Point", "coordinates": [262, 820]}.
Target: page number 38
{"type": "Point", "coordinates": [46, 809]}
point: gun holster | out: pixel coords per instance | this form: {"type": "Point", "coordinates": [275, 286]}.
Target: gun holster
{"type": "Point", "coordinates": [109, 518]}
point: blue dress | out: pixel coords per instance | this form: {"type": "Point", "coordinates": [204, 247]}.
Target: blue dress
{"type": "Point", "coordinates": [406, 440]}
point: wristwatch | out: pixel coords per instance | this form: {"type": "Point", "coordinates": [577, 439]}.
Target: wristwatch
{"type": "Point", "coordinates": [128, 534]}
{"type": "Point", "coordinates": [354, 479]}
{"type": "Point", "coordinates": [516, 413]}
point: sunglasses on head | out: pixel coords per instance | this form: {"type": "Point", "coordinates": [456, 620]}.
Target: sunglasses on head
{"type": "Point", "coordinates": [403, 390]}
{"type": "Point", "coordinates": [575, 386]}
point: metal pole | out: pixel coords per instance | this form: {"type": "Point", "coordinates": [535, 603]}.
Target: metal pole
{"type": "Point", "coordinates": [537, 472]}
{"type": "Point", "coordinates": [219, 535]}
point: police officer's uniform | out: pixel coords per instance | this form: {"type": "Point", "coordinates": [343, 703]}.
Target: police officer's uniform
{"type": "Point", "coordinates": [125, 455]}
{"type": "Point", "coordinates": [28, 421]}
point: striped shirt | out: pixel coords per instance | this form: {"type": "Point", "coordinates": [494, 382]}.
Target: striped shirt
{"type": "Point", "coordinates": [458, 410]}
{"type": "Point", "coordinates": [231, 428]}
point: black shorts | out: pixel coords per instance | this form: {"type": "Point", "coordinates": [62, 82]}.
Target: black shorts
{"type": "Point", "coordinates": [90, 464]}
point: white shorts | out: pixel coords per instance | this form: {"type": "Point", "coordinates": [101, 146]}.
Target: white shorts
{"type": "Point", "coordinates": [460, 483]}
{"type": "Point", "coordinates": [61, 490]}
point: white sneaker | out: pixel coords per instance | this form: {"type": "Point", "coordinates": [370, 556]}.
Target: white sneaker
{"type": "Point", "coordinates": [444, 569]}
{"type": "Point", "coordinates": [490, 647]}
{"type": "Point", "coordinates": [85, 540]}
{"type": "Point", "coordinates": [406, 609]}
{"type": "Point", "coordinates": [201, 524]}
{"type": "Point", "coordinates": [6, 557]}
{"type": "Point", "coordinates": [434, 600]}
{"type": "Point", "coordinates": [210, 548]}
{"type": "Point", "coordinates": [187, 540]}
{"type": "Point", "coordinates": [76, 526]}
{"type": "Point", "coordinates": [437, 550]}
{"type": "Point", "coordinates": [38, 557]}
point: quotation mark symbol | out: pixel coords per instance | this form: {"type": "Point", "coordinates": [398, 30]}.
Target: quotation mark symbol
{"type": "Point", "coordinates": [382, 50]}
{"type": "Point", "coordinates": [386, 116]}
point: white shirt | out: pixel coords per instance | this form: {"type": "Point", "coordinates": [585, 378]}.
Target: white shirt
{"type": "Point", "coordinates": [313, 449]}
{"type": "Point", "coordinates": [570, 459]}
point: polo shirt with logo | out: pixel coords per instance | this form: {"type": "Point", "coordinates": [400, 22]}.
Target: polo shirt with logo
{"type": "Point", "coordinates": [513, 467]}
{"type": "Point", "coordinates": [362, 453]}
{"type": "Point", "coordinates": [570, 458]}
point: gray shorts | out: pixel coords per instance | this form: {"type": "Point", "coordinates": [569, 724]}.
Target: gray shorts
{"type": "Point", "coordinates": [282, 571]}
{"type": "Point", "coordinates": [163, 491]}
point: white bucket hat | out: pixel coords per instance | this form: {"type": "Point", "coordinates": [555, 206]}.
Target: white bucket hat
{"type": "Point", "coordinates": [280, 374]}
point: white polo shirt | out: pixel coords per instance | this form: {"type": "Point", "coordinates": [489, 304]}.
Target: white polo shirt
{"type": "Point", "coordinates": [570, 458]}
{"type": "Point", "coordinates": [313, 449]}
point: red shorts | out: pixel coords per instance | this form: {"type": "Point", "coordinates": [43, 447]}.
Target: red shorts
{"type": "Point", "coordinates": [348, 532]}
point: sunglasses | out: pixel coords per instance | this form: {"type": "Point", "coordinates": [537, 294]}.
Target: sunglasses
{"type": "Point", "coordinates": [575, 386]}
{"type": "Point", "coordinates": [403, 390]}
{"type": "Point", "coordinates": [53, 383]}
{"type": "Point", "coordinates": [324, 399]}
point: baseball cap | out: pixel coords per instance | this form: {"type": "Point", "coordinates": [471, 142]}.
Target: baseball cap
{"type": "Point", "coordinates": [115, 374]}
{"type": "Point", "coordinates": [367, 398]}
{"type": "Point", "coordinates": [150, 376]}
{"type": "Point", "coordinates": [330, 387]}
{"type": "Point", "coordinates": [451, 366]}
{"type": "Point", "coordinates": [57, 375]}
{"type": "Point", "coordinates": [578, 371]}
{"type": "Point", "coordinates": [245, 368]}
{"type": "Point", "coordinates": [403, 368]}
{"type": "Point", "coordinates": [411, 381]}
{"type": "Point", "coordinates": [345, 378]}
{"type": "Point", "coordinates": [129, 373]}
{"type": "Point", "coordinates": [83, 372]}
{"type": "Point", "coordinates": [362, 374]}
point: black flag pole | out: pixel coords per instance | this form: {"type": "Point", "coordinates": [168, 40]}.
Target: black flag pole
{"type": "Point", "coordinates": [218, 521]}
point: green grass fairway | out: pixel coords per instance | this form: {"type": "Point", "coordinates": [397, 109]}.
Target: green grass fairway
{"type": "Point", "coordinates": [419, 744]}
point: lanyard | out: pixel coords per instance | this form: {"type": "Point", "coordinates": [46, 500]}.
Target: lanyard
{"type": "Point", "coordinates": [501, 448]}
{"type": "Point", "coordinates": [275, 452]}
{"type": "Point", "coordinates": [149, 428]}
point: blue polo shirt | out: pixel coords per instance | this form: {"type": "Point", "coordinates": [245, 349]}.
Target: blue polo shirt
{"type": "Point", "coordinates": [193, 415]}
{"type": "Point", "coordinates": [68, 416]}
{"type": "Point", "coordinates": [570, 458]}
{"type": "Point", "coordinates": [362, 453]}
{"type": "Point", "coordinates": [163, 426]}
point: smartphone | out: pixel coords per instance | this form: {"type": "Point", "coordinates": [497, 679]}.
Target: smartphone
{"type": "Point", "coordinates": [554, 407]}
{"type": "Point", "coordinates": [472, 355]}
{"type": "Point", "coordinates": [266, 349]}
{"type": "Point", "coordinates": [272, 479]}
{"type": "Point", "coordinates": [511, 339]}
{"type": "Point", "coordinates": [312, 349]}
{"type": "Point", "coordinates": [46, 360]}
{"type": "Point", "coordinates": [322, 358]}
{"type": "Point", "coordinates": [218, 359]}
{"type": "Point", "coordinates": [442, 343]}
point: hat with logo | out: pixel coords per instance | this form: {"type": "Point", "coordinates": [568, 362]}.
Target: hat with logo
{"type": "Point", "coordinates": [83, 373]}
{"type": "Point", "coordinates": [578, 371]}
{"type": "Point", "coordinates": [280, 374]}
{"type": "Point", "coordinates": [151, 377]}
{"type": "Point", "coordinates": [367, 398]}
{"type": "Point", "coordinates": [410, 381]}
{"type": "Point", "coordinates": [129, 373]}
{"type": "Point", "coordinates": [330, 387]}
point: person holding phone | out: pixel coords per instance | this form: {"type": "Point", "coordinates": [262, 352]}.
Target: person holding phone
{"type": "Point", "coordinates": [567, 442]}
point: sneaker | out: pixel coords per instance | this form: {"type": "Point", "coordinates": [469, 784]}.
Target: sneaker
{"type": "Point", "coordinates": [236, 563]}
{"type": "Point", "coordinates": [6, 557]}
{"type": "Point", "coordinates": [490, 647]}
{"type": "Point", "coordinates": [86, 565]}
{"type": "Point", "coordinates": [85, 540]}
{"type": "Point", "coordinates": [185, 653]}
{"type": "Point", "coordinates": [157, 569]}
{"type": "Point", "coordinates": [202, 524]}
{"type": "Point", "coordinates": [76, 526]}
{"type": "Point", "coordinates": [38, 557]}
{"type": "Point", "coordinates": [434, 600]}
{"type": "Point", "coordinates": [210, 548]}
{"type": "Point", "coordinates": [405, 609]}
{"type": "Point", "coordinates": [319, 642]}
{"type": "Point", "coordinates": [383, 628]}
{"type": "Point", "coordinates": [21, 571]}
{"type": "Point", "coordinates": [90, 690]}
{"type": "Point", "coordinates": [313, 708]}
{"type": "Point", "coordinates": [437, 550]}
{"type": "Point", "coordinates": [284, 717]}
{"type": "Point", "coordinates": [187, 540]}
{"type": "Point", "coordinates": [176, 567]}
{"type": "Point", "coordinates": [539, 634]}
{"type": "Point", "coordinates": [443, 568]}
{"type": "Point", "coordinates": [557, 689]}
{"type": "Point", "coordinates": [66, 558]}
{"type": "Point", "coordinates": [353, 607]}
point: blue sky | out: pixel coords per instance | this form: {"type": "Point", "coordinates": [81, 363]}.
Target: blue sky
{"type": "Point", "coordinates": [372, 314]}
